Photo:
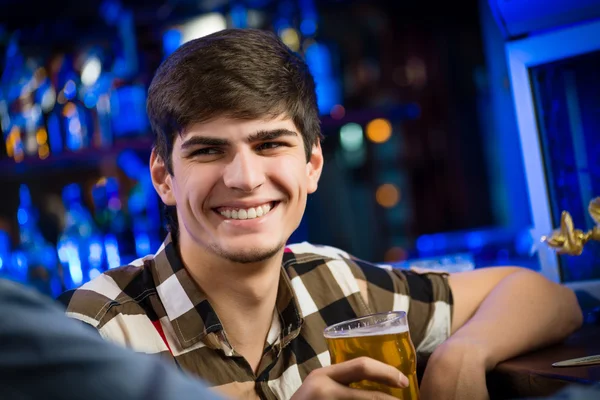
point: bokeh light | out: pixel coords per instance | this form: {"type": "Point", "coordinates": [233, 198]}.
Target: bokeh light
{"type": "Point", "coordinates": [338, 111]}
{"type": "Point", "coordinates": [387, 195]}
{"type": "Point", "coordinates": [395, 254]}
{"type": "Point", "coordinates": [290, 37]}
{"type": "Point", "coordinates": [351, 137]}
{"type": "Point", "coordinates": [379, 130]}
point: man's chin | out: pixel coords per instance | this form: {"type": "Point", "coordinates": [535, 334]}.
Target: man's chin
{"type": "Point", "coordinates": [249, 255]}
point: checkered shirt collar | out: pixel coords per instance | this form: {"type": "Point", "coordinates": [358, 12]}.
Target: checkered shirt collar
{"type": "Point", "coordinates": [190, 312]}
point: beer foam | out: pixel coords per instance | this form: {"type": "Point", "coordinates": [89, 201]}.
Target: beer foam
{"type": "Point", "coordinates": [367, 331]}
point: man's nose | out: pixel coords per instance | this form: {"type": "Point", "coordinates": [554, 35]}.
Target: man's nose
{"type": "Point", "coordinates": [244, 173]}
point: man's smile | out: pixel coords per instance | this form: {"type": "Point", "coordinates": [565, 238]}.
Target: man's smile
{"type": "Point", "coordinates": [241, 212]}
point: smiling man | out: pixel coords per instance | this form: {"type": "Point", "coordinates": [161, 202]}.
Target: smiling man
{"type": "Point", "coordinates": [237, 153]}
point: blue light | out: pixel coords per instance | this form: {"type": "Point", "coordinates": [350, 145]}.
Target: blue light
{"type": "Point", "coordinates": [280, 24]}
{"type": "Point", "coordinates": [439, 242]}
{"type": "Point", "coordinates": [308, 27]}
{"type": "Point", "coordinates": [112, 251]}
{"type": "Point", "coordinates": [68, 253]}
{"type": "Point", "coordinates": [22, 216]}
{"type": "Point", "coordinates": [20, 265]}
{"type": "Point", "coordinates": [1, 263]}
{"type": "Point", "coordinates": [318, 59]}
{"type": "Point", "coordinates": [54, 134]}
{"type": "Point", "coordinates": [71, 194]}
{"type": "Point", "coordinates": [95, 256]}
{"type": "Point", "coordinates": [142, 244]}
{"type": "Point", "coordinates": [131, 164]}
{"type": "Point", "coordinates": [93, 273]}
{"type": "Point", "coordinates": [425, 244]}
{"type": "Point", "coordinates": [524, 243]}
{"type": "Point", "coordinates": [24, 196]}
{"type": "Point", "coordinates": [90, 99]}
{"type": "Point", "coordinates": [128, 110]}
{"type": "Point", "coordinates": [239, 16]}
{"type": "Point", "coordinates": [70, 90]}
{"type": "Point", "coordinates": [171, 41]}
{"type": "Point", "coordinates": [75, 271]}
{"type": "Point", "coordinates": [474, 240]}
{"type": "Point", "coordinates": [109, 10]}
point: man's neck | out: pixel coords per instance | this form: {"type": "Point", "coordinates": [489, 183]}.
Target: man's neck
{"type": "Point", "coordinates": [242, 295]}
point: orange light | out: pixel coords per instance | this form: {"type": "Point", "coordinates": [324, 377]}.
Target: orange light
{"type": "Point", "coordinates": [41, 136]}
{"type": "Point", "coordinates": [19, 155]}
{"type": "Point", "coordinates": [13, 139]}
{"type": "Point", "coordinates": [9, 147]}
{"type": "Point", "coordinates": [44, 151]}
{"type": "Point", "coordinates": [69, 110]}
{"type": "Point", "coordinates": [338, 111]}
{"type": "Point", "coordinates": [387, 195]}
{"type": "Point", "coordinates": [379, 130]}
{"type": "Point", "coordinates": [395, 254]}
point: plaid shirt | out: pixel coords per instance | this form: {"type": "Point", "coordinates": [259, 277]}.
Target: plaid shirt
{"type": "Point", "coordinates": [154, 306]}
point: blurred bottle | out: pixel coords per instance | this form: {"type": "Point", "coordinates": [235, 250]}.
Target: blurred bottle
{"type": "Point", "coordinates": [70, 115]}
{"type": "Point", "coordinates": [111, 220]}
{"type": "Point", "coordinates": [80, 246]}
{"type": "Point", "coordinates": [128, 95]}
{"type": "Point", "coordinates": [4, 253]}
{"type": "Point", "coordinates": [95, 91]}
{"type": "Point", "coordinates": [34, 261]}
{"type": "Point", "coordinates": [14, 85]}
{"type": "Point", "coordinates": [142, 204]}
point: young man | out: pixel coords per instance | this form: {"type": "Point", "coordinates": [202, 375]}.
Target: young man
{"type": "Point", "coordinates": [237, 152]}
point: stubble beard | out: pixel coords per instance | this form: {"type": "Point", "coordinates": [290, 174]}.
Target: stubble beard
{"type": "Point", "coordinates": [254, 255]}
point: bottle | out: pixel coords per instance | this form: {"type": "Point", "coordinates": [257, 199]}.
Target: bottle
{"type": "Point", "coordinates": [35, 260]}
{"type": "Point", "coordinates": [80, 244]}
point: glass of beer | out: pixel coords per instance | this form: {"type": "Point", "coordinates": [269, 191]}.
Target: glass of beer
{"type": "Point", "coordinates": [383, 337]}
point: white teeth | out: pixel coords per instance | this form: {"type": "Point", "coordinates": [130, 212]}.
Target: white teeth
{"type": "Point", "coordinates": [249, 213]}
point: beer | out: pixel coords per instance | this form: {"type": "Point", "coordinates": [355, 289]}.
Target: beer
{"type": "Point", "coordinates": [383, 337]}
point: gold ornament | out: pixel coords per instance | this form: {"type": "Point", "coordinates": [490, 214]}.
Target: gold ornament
{"type": "Point", "coordinates": [567, 239]}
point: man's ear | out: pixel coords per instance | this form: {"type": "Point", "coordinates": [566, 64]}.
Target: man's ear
{"type": "Point", "coordinates": [161, 179]}
{"type": "Point", "coordinates": [314, 168]}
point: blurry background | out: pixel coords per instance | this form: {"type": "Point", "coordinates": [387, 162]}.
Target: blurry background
{"type": "Point", "coordinates": [423, 160]}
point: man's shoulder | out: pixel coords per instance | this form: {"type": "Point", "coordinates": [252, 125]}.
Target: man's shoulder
{"type": "Point", "coordinates": [107, 292]}
{"type": "Point", "coordinates": [305, 253]}
{"type": "Point", "coordinates": [305, 250]}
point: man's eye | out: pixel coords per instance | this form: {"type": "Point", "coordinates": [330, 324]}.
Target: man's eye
{"type": "Point", "coordinates": [269, 145]}
{"type": "Point", "coordinates": [207, 151]}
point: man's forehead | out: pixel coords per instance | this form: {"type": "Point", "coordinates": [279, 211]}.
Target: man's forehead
{"type": "Point", "coordinates": [232, 128]}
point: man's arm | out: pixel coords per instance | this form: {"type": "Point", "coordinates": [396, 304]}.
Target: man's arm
{"type": "Point", "coordinates": [498, 313]}
{"type": "Point", "coordinates": [47, 355]}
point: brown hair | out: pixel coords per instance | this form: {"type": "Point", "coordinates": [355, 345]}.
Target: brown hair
{"type": "Point", "coordinates": [234, 73]}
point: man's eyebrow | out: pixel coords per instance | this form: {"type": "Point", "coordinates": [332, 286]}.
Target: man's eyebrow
{"type": "Point", "coordinates": [265, 135]}
{"type": "Point", "coordinates": [203, 141]}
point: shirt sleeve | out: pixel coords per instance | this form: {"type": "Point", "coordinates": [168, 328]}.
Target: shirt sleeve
{"type": "Point", "coordinates": [425, 296]}
{"type": "Point", "coordinates": [48, 355]}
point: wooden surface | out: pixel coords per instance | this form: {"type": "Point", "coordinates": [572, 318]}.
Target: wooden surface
{"type": "Point", "coordinates": [532, 375]}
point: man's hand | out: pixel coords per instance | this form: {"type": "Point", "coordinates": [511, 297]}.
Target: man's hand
{"type": "Point", "coordinates": [456, 370]}
{"type": "Point", "coordinates": [332, 382]}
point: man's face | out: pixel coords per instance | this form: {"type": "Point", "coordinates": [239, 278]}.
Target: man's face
{"type": "Point", "coordinates": [240, 187]}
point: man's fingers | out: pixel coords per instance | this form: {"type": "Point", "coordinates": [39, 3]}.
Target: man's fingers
{"type": "Point", "coordinates": [346, 393]}
{"type": "Point", "coordinates": [367, 368]}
